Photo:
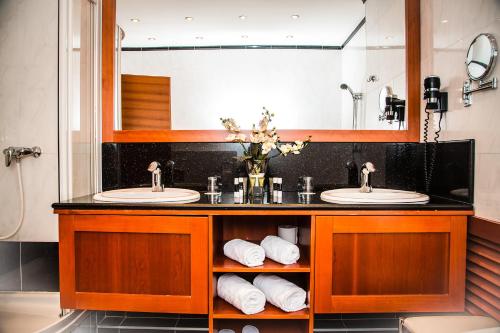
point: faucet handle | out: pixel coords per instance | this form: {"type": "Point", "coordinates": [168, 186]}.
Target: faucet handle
{"type": "Point", "coordinates": [153, 166]}
{"type": "Point", "coordinates": [368, 167]}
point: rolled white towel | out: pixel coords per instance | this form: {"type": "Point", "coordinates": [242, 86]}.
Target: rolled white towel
{"type": "Point", "coordinates": [241, 294]}
{"type": "Point", "coordinates": [250, 329]}
{"type": "Point", "coordinates": [280, 250]}
{"type": "Point", "coordinates": [281, 293]}
{"type": "Point", "coordinates": [246, 253]}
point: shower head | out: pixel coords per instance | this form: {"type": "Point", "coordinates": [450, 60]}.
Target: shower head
{"type": "Point", "coordinates": [355, 96]}
{"type": "Point", "coordinates": [344, 86]}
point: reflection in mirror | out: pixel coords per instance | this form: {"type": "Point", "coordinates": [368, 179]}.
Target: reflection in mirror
{"type": "Point", "coordinates": [391, 107]}
{"type": "Point", "coordinates": [183, 64]}
{"type": "Point", "coordinates": [481, 56]}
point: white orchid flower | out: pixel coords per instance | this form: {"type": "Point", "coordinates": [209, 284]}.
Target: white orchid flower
{"type": "Point", "coordinates": [236, 137]}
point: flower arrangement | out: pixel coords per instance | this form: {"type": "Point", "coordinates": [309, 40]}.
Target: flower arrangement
{"type": "Point", "coordinates": [262, 141]}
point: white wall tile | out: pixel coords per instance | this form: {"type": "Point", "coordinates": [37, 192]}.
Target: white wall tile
{"type": "Point", "coordinates": [28, 113]}
{"type": "Point", "coordinates": [444, 47]}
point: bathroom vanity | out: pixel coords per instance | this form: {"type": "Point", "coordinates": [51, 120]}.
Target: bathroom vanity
{"type": "Point", "coordinates": [354, 258]}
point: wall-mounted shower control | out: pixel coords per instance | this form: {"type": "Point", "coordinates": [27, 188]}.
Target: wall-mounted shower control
{"type": "Point", "coordinates": [18, 153]}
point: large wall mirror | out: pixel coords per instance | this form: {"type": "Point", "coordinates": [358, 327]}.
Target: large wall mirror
{"type": "Point", "coordinates": [173, 68]}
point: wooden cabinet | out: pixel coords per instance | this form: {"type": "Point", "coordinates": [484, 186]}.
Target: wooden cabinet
{"type": "Point", "coordinates": [134, 263]}
{"type": "Point", "coordinates": [390, 263]}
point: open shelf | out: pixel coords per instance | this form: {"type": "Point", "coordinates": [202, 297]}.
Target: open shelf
{"type": "Point", "coordinates": [222, 309]}
{"type": "Point", "coordinates": [263, 325]}
{"type": "Point", "coordinates": [224, 264]}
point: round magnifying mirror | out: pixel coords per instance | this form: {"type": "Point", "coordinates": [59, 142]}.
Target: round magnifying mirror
{"type": "Point", "coordinates": [382, 98]}
{"type": "Point", "coordinates": [481, 56]}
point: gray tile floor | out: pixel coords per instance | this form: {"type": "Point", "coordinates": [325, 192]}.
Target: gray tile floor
{"type": "Point", "coordinates": [134, 322]}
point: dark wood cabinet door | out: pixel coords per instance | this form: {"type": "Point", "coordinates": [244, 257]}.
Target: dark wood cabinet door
{"type": "Point", "coordinates": [390, 263]}
{"type": "Point", "coordinates": [134, 263]}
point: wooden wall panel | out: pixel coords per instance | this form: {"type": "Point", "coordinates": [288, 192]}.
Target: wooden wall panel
{"type": "Point", "coordinates": [145, 102]}
{"type": "Point", "coordinates": [133, 263]}
{"type": "Point", "coordinates": [483, 268]}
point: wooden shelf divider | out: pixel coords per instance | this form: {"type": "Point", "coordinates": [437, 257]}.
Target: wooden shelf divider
{"type": "Point", "coordinates": [224, 310]}
{"type": "Point", "coordinates": [224, 264]}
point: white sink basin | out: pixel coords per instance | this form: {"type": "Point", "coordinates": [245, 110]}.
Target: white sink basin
{"type": "Point", "coordinates": [141, 195]}
{"type": "Point", "coordinates": [378, 196]}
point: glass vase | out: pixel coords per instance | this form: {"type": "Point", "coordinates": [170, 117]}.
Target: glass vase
{"type": "Point", "coordinates": [256, 170]}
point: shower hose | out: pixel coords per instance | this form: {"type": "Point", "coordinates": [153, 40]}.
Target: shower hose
{"type": "Point", "coordinates": [21, 199]}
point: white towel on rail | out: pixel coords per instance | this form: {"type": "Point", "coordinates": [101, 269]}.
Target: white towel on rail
{"type": "Point", "coordinates": [281, 293]}
{"type": "Point", "coordinates": [280, 250]}
{"type": "Point", "coordinates": [241, 294]}
{"type": "Point", "coordinates": [246, 253]}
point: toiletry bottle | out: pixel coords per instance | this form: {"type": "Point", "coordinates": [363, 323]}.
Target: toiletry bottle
{"type": "Point", "coordinates": [275, 189]}
{"type": "Point", "coordinates": [236, 190]}
{"type": "Point", "coordinates": [280, 190]}
{"type": "Point", "coordinates": [241, 188]}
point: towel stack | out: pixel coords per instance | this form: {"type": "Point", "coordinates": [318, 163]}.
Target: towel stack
{"type": "Point", "coordinates": [281, 293]}
{"type": "Point", "coordinates": [241, 294]}
{"type": "Point", "coordinates": [252, 255]}
{"type": "Point", "coordinates": [251, 299]}
{"type": "Point", "coordinates": [246, 253]}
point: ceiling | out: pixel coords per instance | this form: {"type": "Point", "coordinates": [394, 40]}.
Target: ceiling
{"type": "Point", "coordinates": [218, 22]}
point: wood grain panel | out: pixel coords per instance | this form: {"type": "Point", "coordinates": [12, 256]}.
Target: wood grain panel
{"type": "Point", "coordinates": [390, 264]}
{"type": "Point", "coordinates": [133, 263]}
{"type": "Point", "coordinates": [483, 268]}
{"type": "Point", "coordinates": [108, 27]}
{"type": "Point", "coordinates": [145, 102]}
{"type": "Point", "coordinates": [385, 268]}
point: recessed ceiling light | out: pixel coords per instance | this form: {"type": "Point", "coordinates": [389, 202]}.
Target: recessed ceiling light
{"type": "Point", "coordinates": [135, 20]}
{"type": "Point", "coordinates": [295, 16]}
{"type": "Point", "coordinates": [242, 17]}
{"type": "Point", "coordinates": [444, 21]}
{"type": "Point", "coordinates": [389, 37]}
{"type": "Point", "coordinates": [188, 18]}
{"type": "Point", "coordinates": [151, 38]}
{"type": "Point", "coordinates": [199, 37]}
{"type": "Point", "coordinates": [244, 36]}
{"type": "Point", "coordinates": [289, 36]}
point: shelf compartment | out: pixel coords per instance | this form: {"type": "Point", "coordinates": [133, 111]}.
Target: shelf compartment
{"type": "Point", "coordinates": [264, 326]}
{"type": "Point", "coordinates": [224, 310]}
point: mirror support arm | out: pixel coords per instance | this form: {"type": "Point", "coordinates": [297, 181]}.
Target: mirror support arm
{"type": "Point", "coordinates": [468, 89]}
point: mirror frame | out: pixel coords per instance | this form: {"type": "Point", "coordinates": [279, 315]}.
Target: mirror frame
{"type": "Point", "coordinates": [412, 134]}
{"type": "Point", "coordinates": [493, 56]}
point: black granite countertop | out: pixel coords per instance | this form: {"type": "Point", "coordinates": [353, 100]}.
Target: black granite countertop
{"type": "Point", "coordinates": [291, 201]}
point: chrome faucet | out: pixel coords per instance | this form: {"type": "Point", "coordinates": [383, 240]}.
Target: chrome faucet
{"type": "Point", "coordinates": [18, 153]}
{"type": "Point", "coordinates": [154, 168]}
{"type": "Point", "coordinates": [366, 178]}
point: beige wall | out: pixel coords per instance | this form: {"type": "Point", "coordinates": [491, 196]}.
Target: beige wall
{"type": "Point", "coordinates": [448, 27]}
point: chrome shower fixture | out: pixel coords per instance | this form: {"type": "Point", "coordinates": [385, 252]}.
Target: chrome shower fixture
{"type": "Point", "coordinates": [18, 153]}
{"type": "Point", "coordinates": [355, 96]}
{"type": "Point", "coordinates": [356, 105]}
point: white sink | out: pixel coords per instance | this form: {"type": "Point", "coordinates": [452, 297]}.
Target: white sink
{"type": "Point", "coordinates": [378, 196]}
{"type": "Point", "coordinates": [141, 195]}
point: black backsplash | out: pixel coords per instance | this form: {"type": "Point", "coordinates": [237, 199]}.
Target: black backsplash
{"type": "Point", "coordinates": [399, 165]}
